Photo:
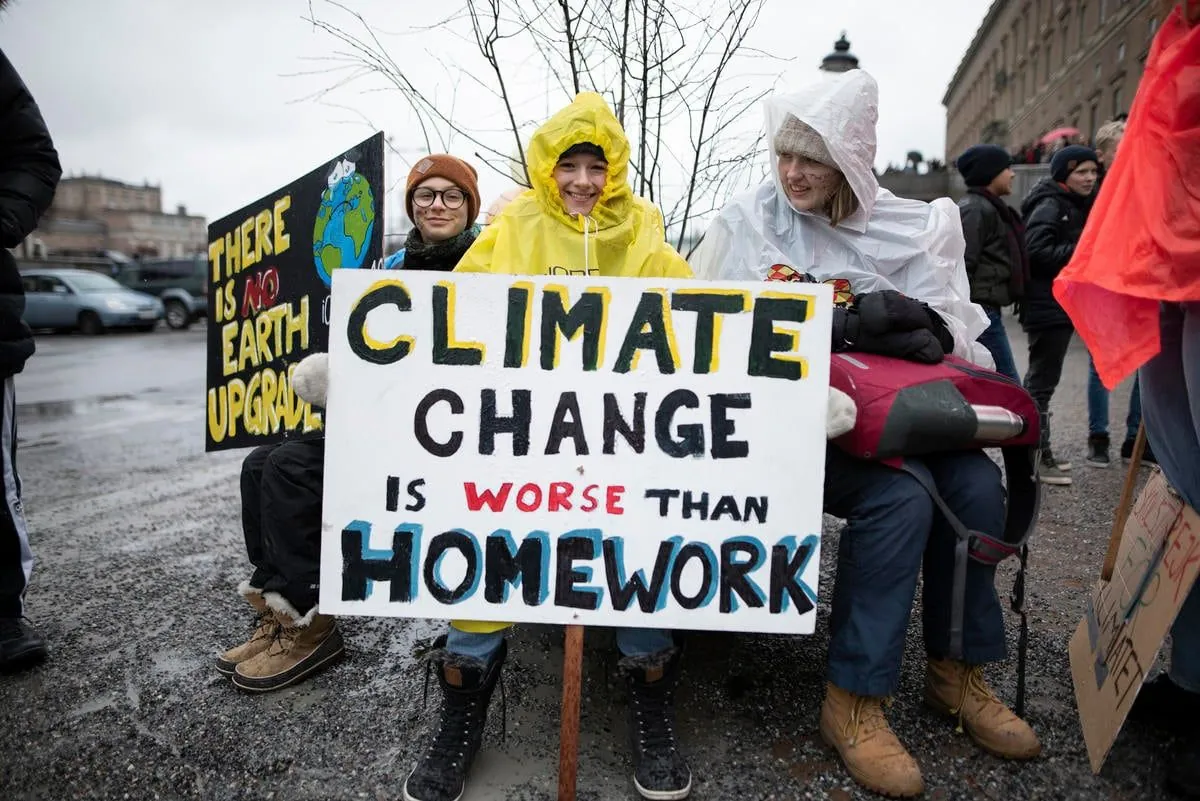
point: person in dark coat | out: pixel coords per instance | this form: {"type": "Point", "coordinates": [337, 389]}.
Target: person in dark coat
{"type": "Point", "coordinates": [29, 173]}
{"type": "Point", "coordinates": [1055, 212]}
{"type": "Point", "coordinates": [997, 265]}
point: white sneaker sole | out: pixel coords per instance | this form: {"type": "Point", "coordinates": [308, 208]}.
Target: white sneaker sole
{"type": "Point", "coordinates": [663, 795]}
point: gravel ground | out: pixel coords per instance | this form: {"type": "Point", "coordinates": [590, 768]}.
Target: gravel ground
{"type": "Point", "coordinates": [138, 542]}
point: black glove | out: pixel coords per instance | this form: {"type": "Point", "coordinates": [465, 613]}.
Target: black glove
{"type": "Point", "coordinates": [921, 345]}
{"type": "Point", "coordinates": [888, 310]}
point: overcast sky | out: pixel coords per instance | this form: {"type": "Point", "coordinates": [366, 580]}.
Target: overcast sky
{"type": "Point", "coordinates": [207, 98]}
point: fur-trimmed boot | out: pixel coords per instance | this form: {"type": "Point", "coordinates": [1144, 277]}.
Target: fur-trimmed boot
{"type": "Point", "coordinates": [467, 687]}
{"type": "Point", "coordinates": [264, 629]}
{"type": "Point", "coordinates": [858, 730]}
{"type": "Point", "coordinates": [660, 770]}
{"type": "Point", "coordinates": [960, 690]}
{"type": "Point", "coordinates": [300, 646]}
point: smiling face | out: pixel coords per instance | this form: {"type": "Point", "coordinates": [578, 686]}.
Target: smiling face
{"type": "Point", "coordinates": [437, 221]}
{"type": "Point", "coordinates": [1083, 179]}
{"type": "Point", "coordinates": [809, 184]}
{"type": "Point", "coordinates": [580, 178]}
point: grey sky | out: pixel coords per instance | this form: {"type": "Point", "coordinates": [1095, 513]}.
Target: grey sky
{"type": "Point", "coordinates": [203, 97]}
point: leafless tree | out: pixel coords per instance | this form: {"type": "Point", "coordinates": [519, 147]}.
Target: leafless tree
{"type": "Point", "coordinates": [681, 79]}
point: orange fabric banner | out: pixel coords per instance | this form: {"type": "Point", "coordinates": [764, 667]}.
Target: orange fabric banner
{"type": "Point", "coordinates": [1142, 240]}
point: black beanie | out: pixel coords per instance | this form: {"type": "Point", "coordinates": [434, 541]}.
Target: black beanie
{"type": "Point", "coordinates": [979, 165]}
{"type": "Point", "coordinates": [1067, 160]}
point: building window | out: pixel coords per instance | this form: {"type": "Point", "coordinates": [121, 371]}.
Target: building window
{"type": "Point", "coordinates": [1120, 52]}
{"type": "Point", "coordinates": [1103, 11]}
{"type": "Point", "coordinates": [1082, 23]}
{"type": "Point", "coordinates": [1116, 100]}
{"type": "Point", "coordinates": [1153, 27]}
{"type": "Point", "coordinates": [1098, 70]}
{"type": "Point", "coordinates": [1066, 45]}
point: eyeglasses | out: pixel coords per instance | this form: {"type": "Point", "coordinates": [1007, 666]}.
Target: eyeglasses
{"type": "Point", "coordinates": [451, 198]}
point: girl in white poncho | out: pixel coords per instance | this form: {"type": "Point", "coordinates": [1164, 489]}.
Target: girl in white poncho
{"type": "Point", "coordinates": [822, 216]}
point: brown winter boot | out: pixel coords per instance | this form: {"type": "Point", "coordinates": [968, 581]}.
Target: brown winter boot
{"type": "Point", "coordinates": [855, 726]}
{"type": "Point", "coordinates": [264, 629]}
{"type": "Point", "coordinates": [300, 647]}
{"type": "Point", "coordinates": [958, 689]}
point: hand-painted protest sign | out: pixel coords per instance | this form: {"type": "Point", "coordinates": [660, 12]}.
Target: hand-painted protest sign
{"type": "Point", "coordinates": [599, 451]}
{"type": "Point", "coordinates": [268, 299]}
{"type": "Point", "coordinates": [1126, 620]}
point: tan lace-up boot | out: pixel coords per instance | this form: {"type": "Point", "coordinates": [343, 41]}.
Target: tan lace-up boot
{"type": "Point", "coordinates": [856, 727]}
{"type": "Point", "coordinates": [958, 689]}
{"type": "Point", "coordinates": [300, 647]}
{"type": "Point", "coordinates": [264, 629]}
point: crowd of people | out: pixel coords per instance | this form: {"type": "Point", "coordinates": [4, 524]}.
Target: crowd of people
{"type": "Point", "coordinates": [820, 215]}
{"type": "Point", "coordinates": [1013, 259]}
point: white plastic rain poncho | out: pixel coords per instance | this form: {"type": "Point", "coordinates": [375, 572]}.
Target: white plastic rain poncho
{"type": "Point", "coordinates": [888, 243]}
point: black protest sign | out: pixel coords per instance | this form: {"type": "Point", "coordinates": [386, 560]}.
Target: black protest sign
{"type": "Point", "coordinates": [270, 266]}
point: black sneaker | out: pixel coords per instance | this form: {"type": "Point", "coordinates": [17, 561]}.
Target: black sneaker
{"type": "Point", "coordinates": [441, 773]}
{"type": "Point", "coordinates": [1051, 472]}
{"type": "Point", "coordinates": [21, 646]}
{"type": "Point", "coordinates": [660, 771]}
{"type": "Point", "coordinates": [1098, 450]}
{"type": "Point", "coordinates": [1164, 704]}
{"type": "Point", "coordinates": [1147, 454]}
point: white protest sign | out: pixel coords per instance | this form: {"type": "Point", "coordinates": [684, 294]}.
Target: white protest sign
{"type": "Point", "coordinates": [615, 452]}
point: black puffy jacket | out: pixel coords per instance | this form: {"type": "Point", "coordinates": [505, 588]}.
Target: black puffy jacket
{"type": "Point", "coordinates": [1054, 219]}
{"type": "Point", "coordinates": [29, 173]}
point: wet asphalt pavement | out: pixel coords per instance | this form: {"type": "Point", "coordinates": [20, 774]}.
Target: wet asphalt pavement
{"type": "Point", "coordinates": [137, 537]}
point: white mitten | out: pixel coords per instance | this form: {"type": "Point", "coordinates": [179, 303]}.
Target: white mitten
{"type": "Point", "coordinates": [841, 415]}
{"type": "Point", "coordinates": [310, 379]}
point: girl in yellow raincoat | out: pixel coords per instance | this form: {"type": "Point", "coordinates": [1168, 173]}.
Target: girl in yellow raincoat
{"type": "Point", "coordinates": [580, 218]}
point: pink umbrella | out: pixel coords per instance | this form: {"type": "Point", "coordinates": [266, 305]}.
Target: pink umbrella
{"type": "Point", "coordinates": [1059, 133]}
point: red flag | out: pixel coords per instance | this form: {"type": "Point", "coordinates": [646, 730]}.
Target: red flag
{"type": "Point", "coordinates": [1142, 240]}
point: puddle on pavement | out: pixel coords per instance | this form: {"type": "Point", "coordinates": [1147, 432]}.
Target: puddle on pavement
{"type": "Point", "coordinates": [57, 410]}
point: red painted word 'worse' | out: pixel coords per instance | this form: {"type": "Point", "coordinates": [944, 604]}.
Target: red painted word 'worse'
{"type": "Point", "coordinates": [558, 496]}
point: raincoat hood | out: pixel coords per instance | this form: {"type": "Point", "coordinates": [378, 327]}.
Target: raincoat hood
{"type": "Point", "coordinates": [587, 119]}
{"type": "Point", "coordinates": [843, 108]}
{"type": "Point", "coordinates": [534, 235]}
{"type": "Point", "coordinates": [888, 243]}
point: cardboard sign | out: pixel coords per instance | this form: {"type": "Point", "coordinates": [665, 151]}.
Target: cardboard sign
{"type": "Point", "coordinates": [268, 298]}
{"type": "Point", "coordinates": [602, 451]}
{"type": "Point", "coordinates": [1128, 618]}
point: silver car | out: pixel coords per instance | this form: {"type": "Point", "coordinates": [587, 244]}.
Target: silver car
{"type": "Point", "coordinates": [91, 302]}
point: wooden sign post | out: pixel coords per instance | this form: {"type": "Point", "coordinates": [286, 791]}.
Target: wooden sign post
{"type": "Point", "coordinates": [568, 736]}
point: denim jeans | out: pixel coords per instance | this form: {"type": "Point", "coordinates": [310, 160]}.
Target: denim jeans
{"type": "Point", "coordinates": [995, 339]}
{"type": "Point", "coordinates": [1097, 397]}
{"type": "Point", "coordinates": [630, 642]}
{"type": "Point", "coordinates": [893, 532]}
{"type": "Point", "coordinates": [1171, 403]}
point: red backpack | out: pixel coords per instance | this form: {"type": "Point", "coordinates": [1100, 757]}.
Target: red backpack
{"type": "Point", "coordinates": [910, 409]}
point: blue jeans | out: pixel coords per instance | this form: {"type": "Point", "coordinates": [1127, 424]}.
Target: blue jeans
{"type": "Point", "coordinates": [893, 530]}
{"type": "Point", "coordinates": [1171, 402]}
{"type": "Point", "coordinates": [630, 642]}
{"type": "Point", "coordinates": [1097, 397]}
{"type": "Point", "coordinates": [995, 339]}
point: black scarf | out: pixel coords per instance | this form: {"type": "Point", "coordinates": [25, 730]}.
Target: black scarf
{"type": "Point", "coordinates": [443, 256]}
{"type": "Point", "coordinates": [1014, 230]}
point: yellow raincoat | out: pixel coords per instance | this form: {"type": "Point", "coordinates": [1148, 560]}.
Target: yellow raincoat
{"type": "Point", "coordinates": [534, 235]}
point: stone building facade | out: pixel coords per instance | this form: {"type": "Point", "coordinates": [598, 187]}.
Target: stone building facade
{"type": "Point", "coordinates": [91, 215]}
{"type": "Point", "coordinates": [1036, 65]}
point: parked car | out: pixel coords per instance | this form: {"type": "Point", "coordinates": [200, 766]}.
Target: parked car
{"type": "Point", "coordinates": [87, 301]}
{"type": "Point", "coordinates": [181, 285]}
